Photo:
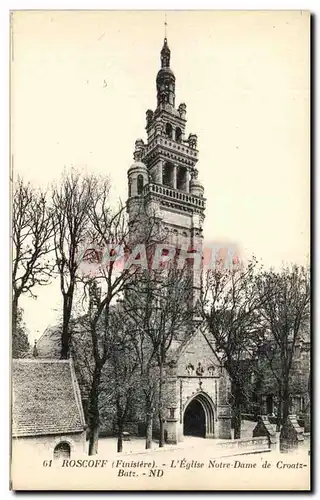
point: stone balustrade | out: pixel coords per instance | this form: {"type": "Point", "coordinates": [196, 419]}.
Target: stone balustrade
{"type": "Point", "coordinates": [175, 194]}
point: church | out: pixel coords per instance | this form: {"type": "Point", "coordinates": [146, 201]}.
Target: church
{"type": "Point", "coordinates": [164, 179]}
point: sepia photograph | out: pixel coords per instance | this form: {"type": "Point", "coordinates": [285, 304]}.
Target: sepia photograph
{"type": "Point", "coordinates": [160, 250]}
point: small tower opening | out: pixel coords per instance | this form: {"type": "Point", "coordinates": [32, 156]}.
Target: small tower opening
{"type": "Point", "coordinates": [169, 130]}
{"type": "Point", "coordinates": [178, 134]}
{"type": "Point", "coordinates": [182, 179]}
{"type": "Point", "coordinates": [167, 178]}
{"type": "Point", "coordinates": [139, 184]}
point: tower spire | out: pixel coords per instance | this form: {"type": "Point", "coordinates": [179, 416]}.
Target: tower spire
{"type": "Point", "coordinates": [165, 26]}
{"type": "Point", "coordinates": [165, 77]}
{"type": "Point", "coordinates": [165, 55]}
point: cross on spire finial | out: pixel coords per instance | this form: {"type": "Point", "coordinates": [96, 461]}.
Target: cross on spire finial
{"type": "Point", "coordinates": [165, 25]}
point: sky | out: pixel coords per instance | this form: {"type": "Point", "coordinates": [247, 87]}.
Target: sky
{"type": "Point", "coordinates": [81, 83]}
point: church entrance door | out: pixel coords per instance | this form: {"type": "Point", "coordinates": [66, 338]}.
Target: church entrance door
{"type": "Point", "coordinates": [198, 417]}
{"type": "Point", "coordinates": [194, 423]}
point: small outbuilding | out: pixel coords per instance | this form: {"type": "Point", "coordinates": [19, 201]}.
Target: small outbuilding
{"type": "Point", "coordinates": [47, 414]}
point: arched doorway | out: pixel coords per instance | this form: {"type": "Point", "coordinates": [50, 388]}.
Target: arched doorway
{"type": "Point", "coordinates": [198, 419]}
{"type": "Point", "coordinates": [194, 420]}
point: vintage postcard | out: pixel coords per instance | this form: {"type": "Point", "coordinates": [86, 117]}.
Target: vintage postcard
{"type": "Point", "coordinates": [160, 180]}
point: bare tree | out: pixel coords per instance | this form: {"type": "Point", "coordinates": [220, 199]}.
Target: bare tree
{"type": "Point", "coordinates": [111, 232]}
{"type": "Point", "coordinates": [145, 351]}
{"type": "Point", "coordinates": [123, 371]}
{"type": "Point", "coordinates": [230, 306]}
{"type": "Point", "coordinates": [112, 284]}
{"type": "Point", "coordinates": [87, 215]}
{"type": "Point", "coordinates": [71, 206]}
{"type": "Point", "coordinates": [32, 231]}
{"type": "Point", "coordinates": [285, 312]}
{"type": "Point", "coordinates": [269, 369]}
{"type": "Point", "coordinates": [160, 308]}
{"type": "Point", "coordinates": [117, 382]}
{"type": "Point", "coordinates": [146, 355]}
{"type": "Point", "coordinates": [20, 343]}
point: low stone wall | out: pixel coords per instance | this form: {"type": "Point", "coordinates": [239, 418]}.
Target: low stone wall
{"type": "Point", "coordinates": [254, 443]}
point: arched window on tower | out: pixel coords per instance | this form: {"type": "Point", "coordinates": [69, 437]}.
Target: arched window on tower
{"type": "Point", "coordinates": [129, 187]}
{"type": "Point", "coordinates": [178, 134]}
{"type": "Point", "coordinates": [139, 184]}
{"type": "Point", "coordinates": [169, 130]}
{"type": "Point", "coordinates": [181, 179]}
{"type": "Point", "coordinates": [167, 176]}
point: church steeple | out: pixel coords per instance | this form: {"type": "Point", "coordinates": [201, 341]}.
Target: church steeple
{"type": "Point", "coordinates": [165, 54]}
{"type": "Point", "coordinates": [165, 78]}
{"type": "Point", "coordinates": [163, 179]}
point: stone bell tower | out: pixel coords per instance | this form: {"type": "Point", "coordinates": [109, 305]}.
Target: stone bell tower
{"type": "Point", "coordinates": [163, 181]}
{"type": "Point", "coordinates": [164, 175]}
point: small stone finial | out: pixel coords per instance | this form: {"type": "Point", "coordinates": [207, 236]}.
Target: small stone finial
{"type": "Point", "coordinates": [138, 151]}
{"type": "Point", "coordinates": [149, 116]}
{"type": "Point", "coordinates": [139, 143]}
{"type": "Point", "coordinates": [193, 139]}
{"type": "Point", "coordinates": [182, 110]}
{"type": "Point", "coordinates": [35, 350]}
{"type": "Point", "coordinates": [137, 155]}
{"type": "Point", "coordinates": [194, 174]}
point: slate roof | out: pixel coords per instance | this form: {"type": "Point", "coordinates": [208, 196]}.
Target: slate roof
{"type": "Point", "coordinates": [45, 398]}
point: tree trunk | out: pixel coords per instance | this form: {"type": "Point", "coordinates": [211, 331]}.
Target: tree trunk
{"type": "Point", "coordinates": [94, 412]}
{"type": "Point", "coordinates": [279, 412]}
{"type": "Point", "coordinates": [161, 430]}
{"type": "Point", "coordinates": [237, 413]}
{"type": "Point", "coordinates": [65, 334]}
{"type": "Point", "coordinates": [120, 439]}
{"type": "Point", "coordinates": [148, 431]}
{"type": "Point", "coordinates": [94, 440]}
{"type": "Point", "coordinates": [14, 314]}
{"type": "Point", "coordinates": [286, 401]}
{"type": "Point", "coordinates": [161, 419]}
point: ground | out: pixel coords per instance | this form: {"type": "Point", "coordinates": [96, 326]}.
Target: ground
{"type": "Point", "coordinates": [108, 445]}
{"type": "Point", "coordinates": [194, 464]}
{"type": "Point", "coordinates": [136, 445]}
{"type": "Point", "coordinates": [197, 463]}
{"type": "Point", "coordinates": [190, 445]}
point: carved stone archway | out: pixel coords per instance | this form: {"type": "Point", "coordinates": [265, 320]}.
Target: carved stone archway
{"type": "Point", "coordinates": [198, 418]}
